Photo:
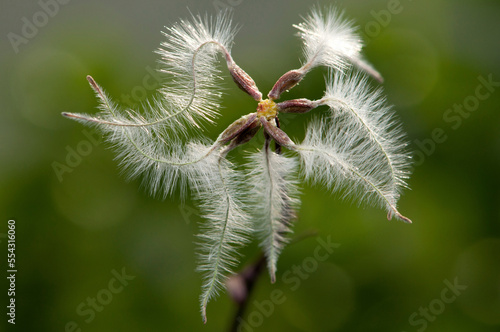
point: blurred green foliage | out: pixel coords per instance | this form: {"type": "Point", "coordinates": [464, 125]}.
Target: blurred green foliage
{"type": "Point", "coordinates": [73, 231]}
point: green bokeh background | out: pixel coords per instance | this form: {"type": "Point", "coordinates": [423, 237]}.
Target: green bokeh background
{"type": "Point", "coordinates": [72, 234]}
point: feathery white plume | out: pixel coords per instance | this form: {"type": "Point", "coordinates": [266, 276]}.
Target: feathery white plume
{"type": "Point", "coordinates": [222, 202]}
{"type": "Point", "coordinates": [331, 40]}
{"type": "Point", "coordinates": [141, 152]}
{"type": "Point", "coordinates": [189, 56]}
{"type": "Point", "coordinates": [275, 198]}
{"type": "Point", "coordinates": [341, 157]}
{"type": "Point", "coordinates": [354, 105]}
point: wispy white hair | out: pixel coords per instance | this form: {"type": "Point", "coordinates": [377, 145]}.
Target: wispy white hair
{"type": "Point", "coordinates": [275, 197]}
{"type": "Point", "coordinates": [333, 41]}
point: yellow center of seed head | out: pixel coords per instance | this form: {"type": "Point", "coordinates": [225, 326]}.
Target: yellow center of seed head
{"type": "Point", "coordinates": [267, 108]}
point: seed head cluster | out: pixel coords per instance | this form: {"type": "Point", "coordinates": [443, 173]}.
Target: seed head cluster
{"type": "Point", "coordinates": [356, 149]}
